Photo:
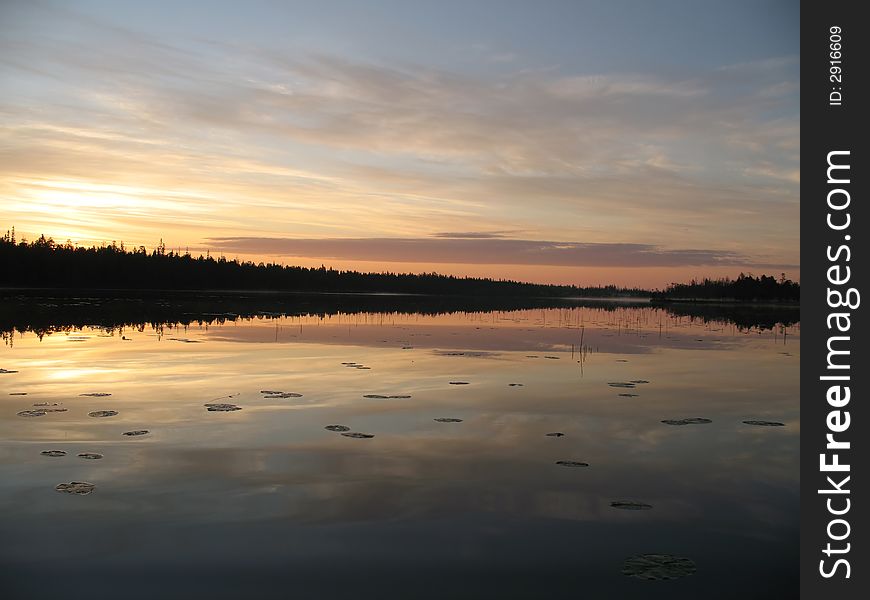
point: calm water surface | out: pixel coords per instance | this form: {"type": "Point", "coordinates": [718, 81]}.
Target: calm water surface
{"type": "Point", "coordinates": [265, 503]}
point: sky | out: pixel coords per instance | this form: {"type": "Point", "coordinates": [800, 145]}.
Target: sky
{"type": "Point", "coordinates": [583, 142]}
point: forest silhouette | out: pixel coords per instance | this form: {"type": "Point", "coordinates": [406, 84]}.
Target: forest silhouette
{"type": "Point", "coordinates": [44, 263]}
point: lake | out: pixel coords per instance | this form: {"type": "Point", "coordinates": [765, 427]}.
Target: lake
{"type": "Point", "coordinates": [459, 493]}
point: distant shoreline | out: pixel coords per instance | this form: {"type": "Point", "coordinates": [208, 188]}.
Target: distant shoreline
{"type": "Point", "coordinates": [144, 293]}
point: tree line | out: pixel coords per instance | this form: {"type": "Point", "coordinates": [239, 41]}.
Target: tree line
{"type": "Point", "coordinates": [745, 288]}
{"type": "Point", "coordinates": [44, 263]}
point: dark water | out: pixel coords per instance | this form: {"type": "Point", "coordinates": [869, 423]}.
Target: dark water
{"type": "Point", "coordinates": [263, 502]}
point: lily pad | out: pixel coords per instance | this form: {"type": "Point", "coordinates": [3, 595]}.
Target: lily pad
{"type": "Point", "coordinates": [630, 505]}
{"type": "Point", "coordinates": [658, 567]}
{"type": "Point", "coordinates": [571, 463]}
{"type": "Point", "coordinates": [75, 487]}
{"type": "Point", "coordinates": [271, 392]}
{"type": "Point", "coordinates": [448, 420]}
{"type": "Point", "coordinates": [90, 455]}
{"type": "Point", "coordinates": [689, 421]}
{"type": "Point", "coordinates": [97, 394]}
{"type": "Point", "coordinates": [639, 381]}
{"type": "Point", "coordinates": [555, 434]}
{"type": "Point", "coordinates": [338, 428]}
{"type": "Point", "coordinates": [17, 393]}
{"type": "Point", "coordinates": [53, 453]}
{"type": "Point", "coordinates": [38, 412]}
{"type": "Point", "coordinates": [284, 395]}
{"type": "Point", "coordinates": [357, 435]}
{"type": "Point", "coordinates": [552, 357]}
{"type": "Point", "coordinates": [629, 395]}
{"type": "Point", "coordinates": [135, 432]}
{"type": "Point", "coordinates": [515, 385]}
{"type": "Point", "coordinates": [475, 354]}
{"type": "Point", "coordinates": [103, 413]}
{"type": "Point", "coordinates": [55, 409]}
{"type": "Point", "coordinates": [765, 423]}
{"type": "Point", "coordinates": [622, 384]}
{"type": "Point", "coordinates": [382, 397]}
{"type": "Point", "coordinates": [459, 383]}
{"type": "Point", "coordinates": [221, 407]}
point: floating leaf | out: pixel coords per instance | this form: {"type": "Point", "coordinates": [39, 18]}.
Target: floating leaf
{"type": "Point", "coordinates": [55, 409]}
{"type": "Point", "coordinates": [17, 393]}
{"type": "Point", "coordinates": [459, 383]}
{"type": "Point", "coordinates": [622, 384]}
{"type": "Point", "coordinates": [103, 413]}
{"type": "Point", "coordinates": [630, 505]}
{"type": "Point", "coordinates": [515, 385]}
{"type": "Point", "coordinates": [555, 434]}
{"type": "Point", "coordinates": [552, 357]}
{"type": "Point", "coordinates": [135, 432]}
{"type": "Point", "coordinates": [382, 397]}
{"type": "Point", "coordinates": [75, 487]}
{"type": "Point", "coordinates": [338, 428]}
{"type": "Point", "coordinates": [221, 407]}
{"type": "Point", "coordinates": [448, 420]}
{"type": "Point", "coordinates": [657, 567]}
{"type": "Point", "coordinates": [629, 395]}
{"type": "Point", "coordinates": [571, 463]}
{"type": "Point", "coordinates": [283, 395]}
{"type": "Point", "coordinates": [270, 392]}
{"type": "Point", "coordinates": [53, 453]}
{"type": "Point", "coordinates": [97, 394]}
{"type": "Point", "coordinates": [7, 371]}
{"type": "Point", "coordinates": [639, 381]}
{"type": "Point", "coordinates": [38, 412]}
{"type": "Point", "coordinates": [690, 421]}
{"type": "Point", "coordinates": [357, 435]}
{"type": "Point", "coordinates": [90, 455]}
{"type": "Point", "coordinates": [765, 423]}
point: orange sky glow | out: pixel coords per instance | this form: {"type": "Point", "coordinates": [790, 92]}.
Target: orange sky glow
{"type": "Point", "coordinates": [514, 158]}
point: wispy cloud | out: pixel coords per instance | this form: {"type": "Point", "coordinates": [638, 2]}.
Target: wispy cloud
{"type": "Point", "coordinates": [476, 250]}
{"type": "Point", "coordinates": [312, 145]}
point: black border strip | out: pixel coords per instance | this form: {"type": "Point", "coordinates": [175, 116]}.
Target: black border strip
{"type": "Point", "coordinates": [827, 126]}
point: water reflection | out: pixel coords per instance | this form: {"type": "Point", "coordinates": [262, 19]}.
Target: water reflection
{"type": "Point", "coordinates": [268, 498]}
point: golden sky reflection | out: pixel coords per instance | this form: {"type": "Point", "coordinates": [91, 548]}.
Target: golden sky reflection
{"type": "Point", "coordinates": [273, 462]}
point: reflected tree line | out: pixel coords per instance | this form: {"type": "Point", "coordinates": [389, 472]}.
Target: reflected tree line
{"type": "Point", "coordinates": [60, 310]}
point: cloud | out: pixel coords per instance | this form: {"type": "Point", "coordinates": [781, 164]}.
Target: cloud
{"type": "Point", "coordinates": [311, 146]}
{"type": "Point", "coordinates": [476, 250]}
{"type": "Point", "coordinates": [478, 235]}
